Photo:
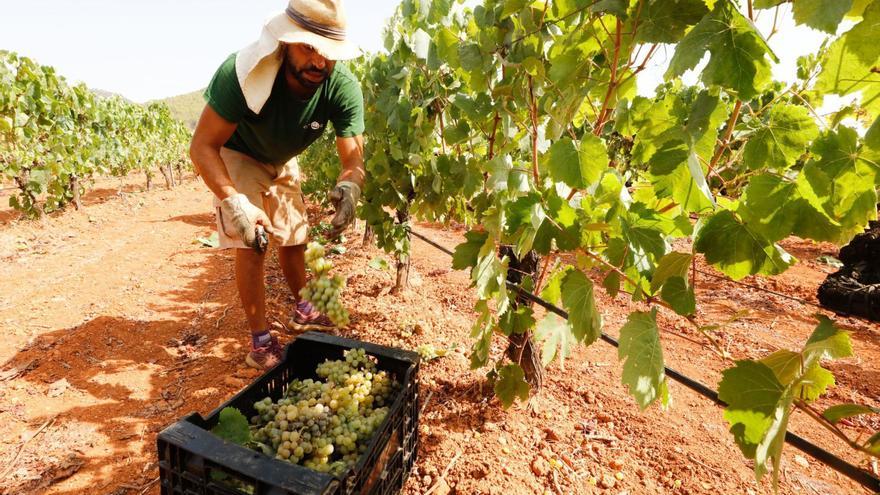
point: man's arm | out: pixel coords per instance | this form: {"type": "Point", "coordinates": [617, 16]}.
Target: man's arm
{"type": "Point", "coordinates": [351, 154]}
{"type": "Point", "coordinates": [348, 188]}
{"type": "Point", "coordinates": [210, 135]}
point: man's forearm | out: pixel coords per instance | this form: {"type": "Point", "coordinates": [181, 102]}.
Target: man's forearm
{"type": "Point", "coordinates": [213, 171]}
{"type": "Point", "coordinates": [354, 171]}
{"type": "Point", "coordinates": [351, 156]}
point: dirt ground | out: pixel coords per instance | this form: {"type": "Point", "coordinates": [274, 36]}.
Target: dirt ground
{"type": "Point", "coordinates": [117, 323]}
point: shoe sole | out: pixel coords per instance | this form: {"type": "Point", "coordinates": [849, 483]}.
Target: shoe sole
{"type": "Point", "coordinates": [299, 327]}
{"type": "Point", "coordinates": [254, 364]}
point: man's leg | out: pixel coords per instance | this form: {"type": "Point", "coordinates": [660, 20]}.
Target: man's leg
{"type": "Point", "coordinates": [251, 288]}
{"type": "Point", "coordinates": [293, 264]}
{"type": "Point", "coordinates": [265, 351]}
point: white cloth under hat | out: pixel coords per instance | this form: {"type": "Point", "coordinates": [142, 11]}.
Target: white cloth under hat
{"type": "Point", "coordinates": [319, 23]}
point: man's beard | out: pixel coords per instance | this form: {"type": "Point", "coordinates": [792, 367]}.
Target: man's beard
{"type": "Point", "coordinates": [299, 75]}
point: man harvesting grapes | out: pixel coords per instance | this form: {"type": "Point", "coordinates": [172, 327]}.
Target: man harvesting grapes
{"type": "Point", "coordinates": [265, 105]}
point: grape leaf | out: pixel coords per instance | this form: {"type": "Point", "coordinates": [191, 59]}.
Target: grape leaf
{"type": "Point", "coordinates": [782, 140]}
{"type": "Point", "coordinates": [378, 263]}
{"type": "Point", "coordinates": [861, 40]}
{"type": "Point", "coordinates": [699, 176]}
{"type": "Point", "coordinates": [457, 133]}
{"type": "Point", "coordinates": [738, 55]}
{"type": "Point", "coordinates": [232, 426]}
{"type": "Point", "coordinates": [681, 297]}
{"type": "Point", "coordinates": [561, 225]}
{"type": "Point", "coordinates": [759, 394]}
{"type": "Point", "coordinates": [827, 342]}
{"type": "Point", "coordinates": [758, 407]}
{"type": "Point", "coordinates": [566, 66]}
{"type": "Point", "coordinates": [481, 332]}
{"type": "Point", "coordinates": [439, 9]}
{"type": "Point", "coordinates": [768, 4]}
{"type": "Point", "coordinates": [673, 264]}
{"type": "Point", "coordinates": [814, 383]}
{"type": "Point", "coordinates": [737, 250]}
{"type": "Point", "coordinates": [821, 14]}
{"type": "Point", "coordinates": [517, 321]}
{"type": "Point", "coordinates": [668, 157]}
{"type": "Point", "coordinates": [556, 337]}
{"type": "Point", "coordinates": [510, 385]}
{"type": "Point", "coordinates": [577, 165]}
{"type": "Point", "coordinates": [873, 443]}
{"type": "Point", "coordinates": [466, 253]}
{"type": "Point", "coordinates": [645, 233]}
{"type": "Point", "coordinates": [776, 207]}
{"type": "Point", "coordinates": [706, 115]}
{"type": "Point", "coordinates": [843, 411]}
{"type": "Point", "coordinates": [788, 366]}
{"type": "Point", "coordinates": [420, 44]}
{"type": "Point", "coordinates": [643, 370]}
{"type": "Point", "coordinates": [489, 277]}
{"type": "Point", "coordinates": [512, 7]}
{"type": "Point", "coordinates": [872, 139]}
{"type": "Point", "coordinates": [849, 64]}
{"type": "Point", "coordinates": [665, 21]}
{"type": "Point", "coordinates": [552, 291]}
{"type": "Point", "coordinates": [843, 176]}
{"type": "Point", "coordinates": [616, 7]}
{"type": "Point", "coordinates": [446, 43]}
{"type": "Point", "coordinates": [681, 187]}
{"type": "Point", "coordinates": [577, 299]}
{"type": "Point", "coordinates": [470, 56]}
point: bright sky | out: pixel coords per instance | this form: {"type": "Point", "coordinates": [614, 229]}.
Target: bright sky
{"type": "Point", "coordinates": [160, 48]}
{"type": "Point", "coordinates": [789, 43]}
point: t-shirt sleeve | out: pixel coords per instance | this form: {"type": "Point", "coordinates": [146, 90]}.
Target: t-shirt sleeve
{"type": "Point", "coordinates": [224, 94]}
{"type": "Point", "coordinates": [348, 112]}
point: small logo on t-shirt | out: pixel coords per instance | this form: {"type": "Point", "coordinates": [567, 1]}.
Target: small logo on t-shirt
{"type": "Point", "coordinates": [314, 126]}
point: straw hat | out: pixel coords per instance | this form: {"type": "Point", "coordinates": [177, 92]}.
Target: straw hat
{"type": "Point", "coordinates": [320, 23]}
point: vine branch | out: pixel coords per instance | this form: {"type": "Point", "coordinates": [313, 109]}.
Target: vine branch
{"type": "Point", "coordinates": [612, 82]}
{"type": "Point", "coordinates": [731, 123]}
{"type": "Point", "coordinates": [533, 113]}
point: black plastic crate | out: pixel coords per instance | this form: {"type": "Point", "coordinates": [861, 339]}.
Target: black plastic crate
{"type": "Point", "coordinates": [193, 461]}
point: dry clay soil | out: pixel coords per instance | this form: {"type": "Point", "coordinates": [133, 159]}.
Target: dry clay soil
{"type": "Point", "coordinates": [115, 323]}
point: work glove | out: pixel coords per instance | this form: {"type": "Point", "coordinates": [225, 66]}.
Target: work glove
{"type": "Point", "coordinates": [344, 198]}
{"type": "Point", "coordinates": [249, 222]}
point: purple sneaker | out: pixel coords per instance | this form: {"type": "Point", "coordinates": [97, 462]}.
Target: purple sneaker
{"type": "Point", "coordinates": [263, 358]}
{"type": "Point", "coordinates": [306, 317]}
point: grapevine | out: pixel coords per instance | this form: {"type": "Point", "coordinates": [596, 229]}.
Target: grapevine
{"type": "Point", "coordinates": [326, 424]}
{"type": "Point", "coordinates": [54, 138]}
{"type": "Point", "coordinates": [324, 291]}
{"type": "Point", "coordinates": [521, 120]}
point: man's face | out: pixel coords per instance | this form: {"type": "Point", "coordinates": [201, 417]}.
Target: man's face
{"type": "Point", "coordinates": [307, 66]}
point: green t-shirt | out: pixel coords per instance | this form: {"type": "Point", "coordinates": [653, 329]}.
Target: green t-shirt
{"type": "Point", "coordinates": [287, 125]}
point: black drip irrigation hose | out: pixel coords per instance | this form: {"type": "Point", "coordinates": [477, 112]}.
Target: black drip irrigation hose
{"type": "Point", "coordinates": [761, 289]}
{"type": "Point", "coordinates": [843, 467]}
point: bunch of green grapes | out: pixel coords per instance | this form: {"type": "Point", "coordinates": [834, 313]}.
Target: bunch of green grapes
{"type": "Point", "coordinates": [326, 424]}
{"type": "Point", "coordinates": [428, 352]}
{"type": "Point", "coordinates": [322, 290]}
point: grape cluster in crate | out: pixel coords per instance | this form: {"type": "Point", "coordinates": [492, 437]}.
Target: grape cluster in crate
{"type": "Point", "coordinates": [326, 424]}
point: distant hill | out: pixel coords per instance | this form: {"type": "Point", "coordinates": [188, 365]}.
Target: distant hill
{"type": "Point", "coordinates": [109, 94]}
{"type": "Point", "coordinates": [186, 107]}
